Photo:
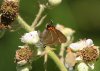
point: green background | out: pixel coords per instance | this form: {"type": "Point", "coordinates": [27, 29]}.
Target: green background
{"type": "Point", "coordinates": [81, 15]}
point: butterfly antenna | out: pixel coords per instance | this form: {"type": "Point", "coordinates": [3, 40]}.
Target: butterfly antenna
{"type": "Point", "coordinates": [51, 22]}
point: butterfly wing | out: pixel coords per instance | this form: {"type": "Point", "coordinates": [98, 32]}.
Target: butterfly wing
{"type": "Point", "coordinates": [61, 37]}
{"type": "Point", "coordinates": [48, 37]}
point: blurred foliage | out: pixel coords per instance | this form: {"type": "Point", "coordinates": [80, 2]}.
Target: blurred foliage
{"type": "Point", "coordinates": [81, 15]}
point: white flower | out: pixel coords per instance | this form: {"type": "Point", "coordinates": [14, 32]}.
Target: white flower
{"type": "Point", "coordinates": [54, 2]}
{"type": "Point", "coordinates": [30, 38]}
{"type": "Point", "coordinates": [81, 44]}
{"type": "Point", "coordinates": [82, 67]}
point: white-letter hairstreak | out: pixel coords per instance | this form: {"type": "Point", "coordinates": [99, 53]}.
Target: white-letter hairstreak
{"type": "Point", "coordinates": [51, 35]}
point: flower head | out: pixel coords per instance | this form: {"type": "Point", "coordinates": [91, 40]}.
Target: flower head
{"type": "Point", "coordinates": [9, 12]}
{"type": "Point", "coordinates": [24, 54]}
{"type": "Point", "coordinates": [30, 38]}
{"type": "Point", "coordinates": [86, 49]}
{"type": "Point", "coordinates": [86, 53]}
{"type": "Point", "coordinates": [90, 54]}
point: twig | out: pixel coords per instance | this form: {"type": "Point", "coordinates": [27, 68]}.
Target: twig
{"type": "Point", "coordinates": [61, 54]}
{"type": "Point", "coordinates": [23, 23]}
{"type": "Point", "coordinates": [41, 20]}
{"type": "Point", "coordinates": [41, 10]}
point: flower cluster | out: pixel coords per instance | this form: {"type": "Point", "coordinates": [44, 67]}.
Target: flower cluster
{"type": "Point", "coordinates": [26, 54]}
{"type": "Point", "coordinates": [23, 55]}
{"type": "Point", "coordinates": [80, 55]}
{"type": "Point", "coordinates": [54, 2]}
{"type": "Point", "coordinates": [84, 53]}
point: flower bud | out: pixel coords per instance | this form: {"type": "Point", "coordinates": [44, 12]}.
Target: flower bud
{"type": "Point", "coordinates": [54, 2]}
{"type": "Point", "coordinates": [82, 67]}
{"type": "Point", "coordinates": [25, 69]}
{"type": "Point", "coordinates": [89, 42]}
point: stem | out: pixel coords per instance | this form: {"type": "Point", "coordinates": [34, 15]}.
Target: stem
{"type": "Point", "coordinates": [61, 54]}
{"type": "Point", "coordinates": [41, 20]}
{"type": "Point", "coordinates": [41, 10]}
{"type": "Point", "coordinates": [55, 59]}
{"type": "Point", "coordinates": [23, 23]}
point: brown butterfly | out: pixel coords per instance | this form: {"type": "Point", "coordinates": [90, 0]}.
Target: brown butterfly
{"type": "Point", "coordinates": [51, 35]}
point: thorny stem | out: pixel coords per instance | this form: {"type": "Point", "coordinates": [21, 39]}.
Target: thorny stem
{"type": "Point", "coordinates": [38, 16]}
{"type": "Point", "coordinates": [54, 57]}
{"type": "Point", "coordinates": [23, 24]}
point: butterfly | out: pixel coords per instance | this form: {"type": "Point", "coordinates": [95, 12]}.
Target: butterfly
{"type": "Point", "coordinates": [51, 35]}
